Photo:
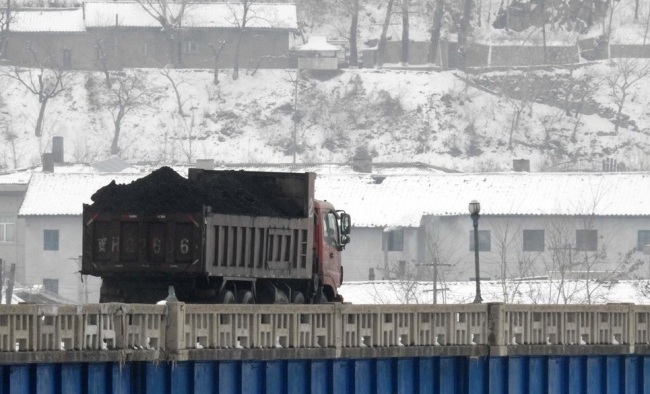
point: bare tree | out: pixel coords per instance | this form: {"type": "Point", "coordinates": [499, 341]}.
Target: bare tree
{"type": "Point", "coordinates": [381, 46]}
{"type": "Point", "coordinates": [464, 29]}
{"type": "Point", "coordinates": [105, 59]}
{"type": "Point", "coordinates": [647, 25]}
{"type": "Point", "coordinates": [403, 283]}
{"type": "Point", "coordinates": [626, 73]}
{"type": "Point", "coordinates": [513, 262]}
{"type": "Point", "coordinates": [520, 93]}
{"type": "Point", "coordinates": [128, 94]}
{"type": "Point", "coordinates": [7, 15]}
{"type": "Point", "coordinates": [241, 15]}
{"type": "Point", "coordinates": [11, 138]}
{"type": "Point", "coordinates": [170, 15]}
{"type": "Point", "coordinates": [296, 116]}
{"type": "Point", "coordinates": [441, 255]}
{"type": "Point", "coordinates": [186, 136]}
{"type": "Point", "coordinates": [216, 51]}
{"type": "Point", "coordinates": [45, 81]}
{"type": "Point", "coordinates": [354, 24]}
{"type": "Point", "coordinates": [351, 9]}
{"type": "Point", "coordinates": [405, 32]}
{"type": "Point", "coordinates": [436, 27]}
{"type": "Point", "coordinates": [175, 85]}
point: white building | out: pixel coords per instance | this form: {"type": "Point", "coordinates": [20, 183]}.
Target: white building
{"type": "Point", "coordinates": [405, 218]}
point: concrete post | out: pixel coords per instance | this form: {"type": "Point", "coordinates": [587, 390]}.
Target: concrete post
{"type": "Point", "coordinates": [495, 328]}
{"type": "Point", "coordinates": [338, 324]}
{"type": "Point", "coordinates": [175, 338]}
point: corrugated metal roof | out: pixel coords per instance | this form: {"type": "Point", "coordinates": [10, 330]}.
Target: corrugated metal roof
{"type": "Point", "coordinates": [113, 164]}
{"type": "Point", "coordinates": [198, 15]}
{"type": "Point", "coordinates": [318, 43]}
{"type": "Point", "coordinates": [49, 20]}
{"type": "Point", "coordinates": [64, 194]}
{"type": "Point", "coordinates": [401, 200]}
{"type": "Point", "coordinates": [132, 14]}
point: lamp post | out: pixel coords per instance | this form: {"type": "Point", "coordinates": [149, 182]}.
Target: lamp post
{"type": "Point", "coordinates": [474, 209]}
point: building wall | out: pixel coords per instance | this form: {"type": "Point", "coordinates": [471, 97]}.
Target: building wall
{"type": "Point", "coordinates": [145, 47]}
{"type": "Point", "coordinates": [62, 264]}
{"type": "Point", "coordinates": [483, 55]}
{"type": "Point", "coordinates": [451, 235]}
{"type": "Point", "coordinates": [366, 250]}
{"type": "Point", "coordinates": [48, 49]}
{"type": "Point", "coordinates": [11, 197]}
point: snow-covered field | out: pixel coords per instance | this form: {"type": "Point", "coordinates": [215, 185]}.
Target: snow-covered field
{"type": "Point", "coordinates": [516, 292]}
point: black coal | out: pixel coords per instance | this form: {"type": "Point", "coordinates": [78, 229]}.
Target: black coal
{"type": "Point", "coordinates": [165, 191]}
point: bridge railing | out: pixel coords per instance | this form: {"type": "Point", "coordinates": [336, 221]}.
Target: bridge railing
{"type": "Point", "coordinates": [178, 327]}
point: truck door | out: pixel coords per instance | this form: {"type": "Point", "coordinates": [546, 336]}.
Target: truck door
{"type": "Point", "coordinates": [331, 249]}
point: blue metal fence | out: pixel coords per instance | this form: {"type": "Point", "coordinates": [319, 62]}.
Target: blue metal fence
{"type": "Point", "coordinates": [463, 375]}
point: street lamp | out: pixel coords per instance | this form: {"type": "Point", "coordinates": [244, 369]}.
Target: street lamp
{"type": "Point", "coordinates": [474, 209]}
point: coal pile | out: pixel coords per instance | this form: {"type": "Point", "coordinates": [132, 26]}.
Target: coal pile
{"type": "Point", "coordinates": [165, 191]}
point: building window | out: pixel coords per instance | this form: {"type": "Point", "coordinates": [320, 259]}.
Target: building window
{"type": "Point", "coordinates": [586, 240]}
{"type": "Point", "coordinates": [147, 50]}
{"type": "Point", "coordinates": [484, 240]}
{"type": "Point", "coordinates": [51, 285]}
{"type": "Point", "coordinates": [7, 228]}
{"type": "Point", "coordinates": [191, 47]}
{"type": "Point", "coordinates": [394, 240]}
{"type": "Point", "coordinates": [50, 239]}
{"type": "Point", "coordinates": [533, 240]}
{"type": "Point", "coordinates": [67, 58]}
{"type": "Point", "coordinates": [643, 239]}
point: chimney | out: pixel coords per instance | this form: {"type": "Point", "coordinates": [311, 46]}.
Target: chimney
{"type": "Point", "coordinates": [57, 149]}
{"type": "Point", "coordinates": [205, 164]}
{"type": "Point", "coordinates": [521, 165]}
{"type": "Point", "coordinates": [48, 162]}
{"type": "Point", "coordinates": [362, 161]}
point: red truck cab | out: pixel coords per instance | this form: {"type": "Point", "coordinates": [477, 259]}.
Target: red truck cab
{"type": "Point", "coordinates": [332, 229]}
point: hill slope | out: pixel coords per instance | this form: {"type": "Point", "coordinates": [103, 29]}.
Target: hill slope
{"type": "Point", "coordinates": [437, 118]}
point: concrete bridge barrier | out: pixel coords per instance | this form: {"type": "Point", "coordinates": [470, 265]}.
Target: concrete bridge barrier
{"type": "Point", "coordinates": [178, 331]}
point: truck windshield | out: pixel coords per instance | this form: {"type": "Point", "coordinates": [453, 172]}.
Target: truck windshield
{"type": "Point", "coordinates": [330, 228]}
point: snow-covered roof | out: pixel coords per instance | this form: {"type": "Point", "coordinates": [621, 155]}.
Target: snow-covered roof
{"type": "Point", "coordinates": [318, 43]}
{"type": "Point", "coordinates": [49, 20]}
{"type": "Point", "coordinates": [341, 169]}
{"type": "Point", "coordinates": [64, 194]}
{"type": "Point", "coordinates": [402, 200]}
{"type": "Point", "coordinates": [15, 178]}
{"type": "Point", "coordinates": [132, 14]}
{"type": "Point", "coordinates": [198, 15]}
{"type": "Point", "coordinates": [375, 201]}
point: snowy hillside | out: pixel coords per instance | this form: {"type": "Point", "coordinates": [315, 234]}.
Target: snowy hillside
{"type": "Point", "coordinates": [551, 116]}
{"type": "Point", "coordinates": [432, 117]}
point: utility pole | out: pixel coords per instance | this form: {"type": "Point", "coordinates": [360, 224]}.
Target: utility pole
{"type": "Point", "coordinates": [435, 266]}
{"type": "Point", "coordinates": [10, 285]}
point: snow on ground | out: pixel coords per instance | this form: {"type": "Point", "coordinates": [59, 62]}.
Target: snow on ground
{"type": "Point", "coordinates": [431, 117]}
{"type": "Point", "coordinates": [542, 291]}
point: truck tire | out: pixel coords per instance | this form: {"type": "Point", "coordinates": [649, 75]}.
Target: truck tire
{"type": "Point", "coordinates": [297, 297]}
{"type": "Point", "coordinates": [245, 297]}
{"type": "Point", "coordinates": [226, 297]}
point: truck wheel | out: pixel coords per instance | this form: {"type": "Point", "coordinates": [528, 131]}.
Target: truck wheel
{"type": "Point", "coordinates": [226, 297]}
{"type": "Point", "coordinates": [297, 298]}
{"type": "Point", "coordinates": [245, 297]}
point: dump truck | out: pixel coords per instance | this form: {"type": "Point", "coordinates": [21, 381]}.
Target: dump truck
{"type": "Point", "coordinates": [216, 237]}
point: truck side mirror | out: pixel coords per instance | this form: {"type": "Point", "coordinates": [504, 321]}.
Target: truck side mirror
{"type": "Point", "coordinates": [346, 224]}
{"type": "Point", "coordinates": [345, 240]}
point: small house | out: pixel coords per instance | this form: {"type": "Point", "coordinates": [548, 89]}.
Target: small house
{"type": "Point", "coordinates": [318, 54]}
